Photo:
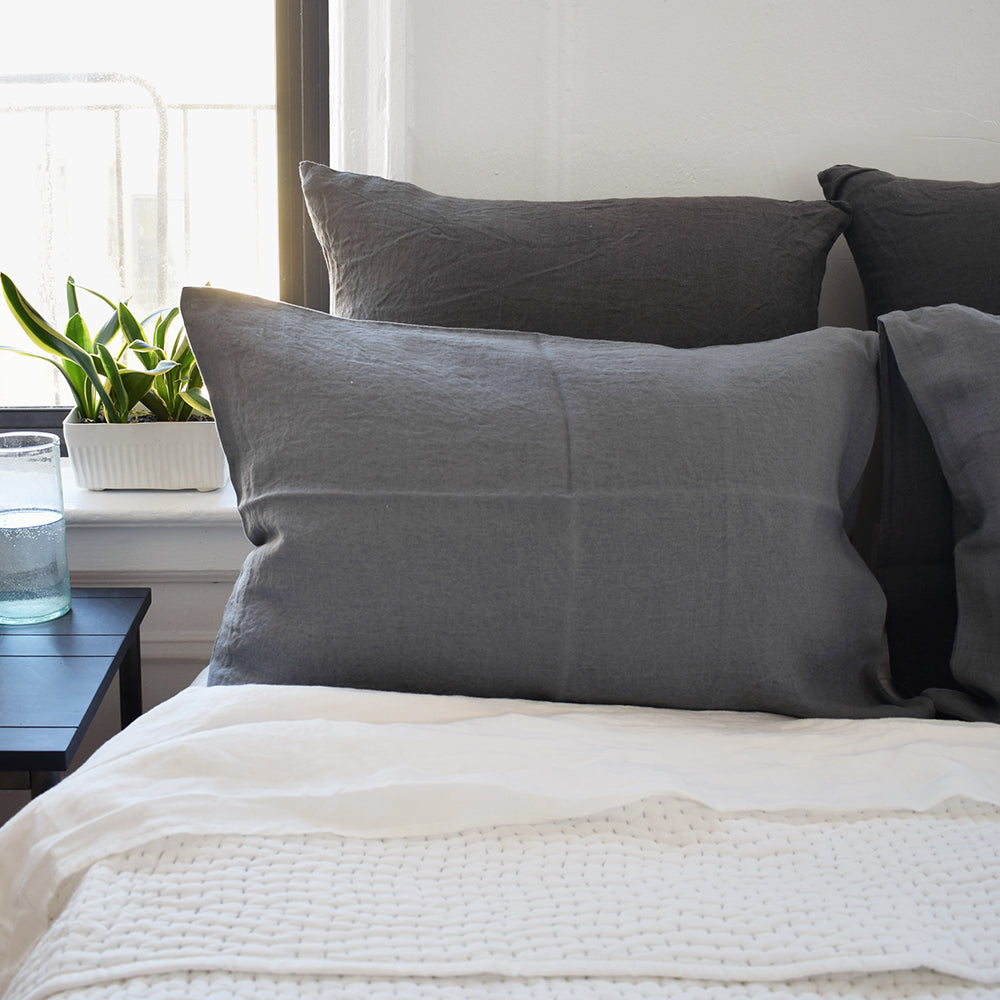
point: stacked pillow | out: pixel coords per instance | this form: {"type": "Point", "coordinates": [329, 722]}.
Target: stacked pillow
{"type": "Point", "coordinates": [519, 515]}
{"type": "Point", "coordinates": [581, 451]}
{"type": "Point", "coordinates": [949, 358]}
{"type": "Point", "coordinates": [686, 272]}
{"type": "Point", "coordinates": [918, 243]}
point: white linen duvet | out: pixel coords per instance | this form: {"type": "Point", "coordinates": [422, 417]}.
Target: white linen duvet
{"type": "Point", "coordinates": [304, 842]}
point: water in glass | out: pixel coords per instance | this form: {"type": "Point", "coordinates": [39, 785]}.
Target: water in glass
{"type": "Point", "coordinates": [34, 572]}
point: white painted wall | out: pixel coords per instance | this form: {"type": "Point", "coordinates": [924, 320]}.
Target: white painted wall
{"type": "Point", "coordinates": [604, 98]}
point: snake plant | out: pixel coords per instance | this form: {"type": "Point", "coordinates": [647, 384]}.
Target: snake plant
{"type": "Point", "coordinates": [128, 367]}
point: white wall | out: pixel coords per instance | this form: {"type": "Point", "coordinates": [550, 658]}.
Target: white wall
{"type": "Point", "coordinates": [603, 98]}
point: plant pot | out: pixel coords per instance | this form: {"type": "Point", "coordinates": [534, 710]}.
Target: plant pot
{"type": "Point", "coordinates": [152, 455]}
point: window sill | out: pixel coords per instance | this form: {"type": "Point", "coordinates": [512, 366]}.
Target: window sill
{"type": "Point", "coordinates": [150, 508]}
{"type": "Point", "coordinates": [140, 537]}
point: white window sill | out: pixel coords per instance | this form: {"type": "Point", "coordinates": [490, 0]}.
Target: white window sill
{"type": "Point", "coordinates": [153, 508]}
{"type": "Point", "coordinates": [140, 537]}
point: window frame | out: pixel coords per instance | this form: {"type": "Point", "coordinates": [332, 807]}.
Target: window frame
{"type": "Point", "coordinates": [302, 57]}
{"type": "Point", "coordinates": [302, 39]}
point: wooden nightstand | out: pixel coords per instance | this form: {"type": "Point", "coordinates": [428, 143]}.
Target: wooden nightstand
{"type": "Point", "coordinates": [54, 675]}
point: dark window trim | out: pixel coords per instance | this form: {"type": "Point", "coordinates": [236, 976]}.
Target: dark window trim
{"type": "Point", "coordinates": [302, 38]}
{"type": "Point", "coordinates": [35, 418]}
{"type": "Point", "coordinates": [302, 55]}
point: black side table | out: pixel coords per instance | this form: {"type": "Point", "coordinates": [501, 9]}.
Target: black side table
{"type": "Point", "coordinates": [54, 675]}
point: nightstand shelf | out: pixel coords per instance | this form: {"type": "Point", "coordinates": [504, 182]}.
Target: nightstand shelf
{"type": "Point", "coordinates": [54, 675]}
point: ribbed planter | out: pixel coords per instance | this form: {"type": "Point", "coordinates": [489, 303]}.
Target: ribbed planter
{"type": "Point", "coordinates": [155, 455]}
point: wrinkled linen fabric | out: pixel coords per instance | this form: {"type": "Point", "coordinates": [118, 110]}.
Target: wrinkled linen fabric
{"type": "Point", "coordinates": [671, 270]}
{"type": "Point", "coordinates": [917, 242]}
{"type": "Point", "coordinates": [903, 812]}
{"type": "Point", "coordinates": [500, 514]}
{"type": "Point", "coordinates": [949, 358]}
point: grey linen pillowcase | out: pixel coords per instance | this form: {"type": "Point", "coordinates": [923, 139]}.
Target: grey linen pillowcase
{"type": "Point", "coordinates": [505, 514]}
{"type": "Point", "coordinates": [687, 272]}
{"type": "Point", "coordinates": [917, 242]}
{"type": "Point", "coordinates": [949, 357]}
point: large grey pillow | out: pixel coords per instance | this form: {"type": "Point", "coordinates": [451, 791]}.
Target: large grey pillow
{"type": "Point", "coordinates": [949, 358]}
{"type": "Point", "coordinates": [680, 271]}
{"type": "Point", "coordinates": [511, 514]}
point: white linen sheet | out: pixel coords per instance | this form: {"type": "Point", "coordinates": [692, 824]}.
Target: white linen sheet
{"type": "Point", "coordinates": [876, 844]}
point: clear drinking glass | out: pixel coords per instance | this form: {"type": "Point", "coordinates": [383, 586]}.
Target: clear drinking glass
{"type": "Point", "coordinates": [34, 570]}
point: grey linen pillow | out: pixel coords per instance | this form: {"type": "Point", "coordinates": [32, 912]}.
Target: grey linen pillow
{"type": "Point", "coordinates": [920, 242]}
{"type": "Point", "coordinates": [680, 271]}
{"type": "Point", "coordinates": [917, 242]}
{"type": "Point", "coordinates": [949, 357]}
{"type": "Point", "coordinates": [509, 514]}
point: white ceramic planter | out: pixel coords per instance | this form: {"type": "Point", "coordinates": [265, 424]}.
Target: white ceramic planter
{"type": "Point", "coordinates": [157, 455]}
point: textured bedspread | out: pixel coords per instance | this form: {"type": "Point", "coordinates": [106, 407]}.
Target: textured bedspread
{"type": "Point", "coordinates": [304, 843]}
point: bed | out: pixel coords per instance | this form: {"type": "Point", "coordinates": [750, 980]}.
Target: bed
{"type": "Point", "coordinates": [610, 629]}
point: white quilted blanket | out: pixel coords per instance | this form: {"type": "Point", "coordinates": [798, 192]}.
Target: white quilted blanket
{"type": "Point", "coordinates": [251, 842]}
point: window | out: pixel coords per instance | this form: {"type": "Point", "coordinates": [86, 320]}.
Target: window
{"type": "Point", "coordinates": [142, 154]}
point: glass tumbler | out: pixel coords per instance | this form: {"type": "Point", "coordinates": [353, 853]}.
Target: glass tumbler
{"type": "Point", "coordinates": [34, 570]}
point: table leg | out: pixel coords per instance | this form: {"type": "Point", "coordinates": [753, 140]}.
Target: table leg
{"type": "Point", "coordinates": [41, 781]}
{"type": "Point", "coordinates": [130, 683]}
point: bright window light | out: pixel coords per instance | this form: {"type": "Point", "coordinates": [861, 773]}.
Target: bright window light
{"type": "Point", "coordinates": [138, 157]}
